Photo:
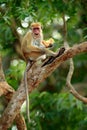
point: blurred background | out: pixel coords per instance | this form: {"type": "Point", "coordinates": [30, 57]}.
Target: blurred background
{"type": "Point", "coordinates": [52, 107]}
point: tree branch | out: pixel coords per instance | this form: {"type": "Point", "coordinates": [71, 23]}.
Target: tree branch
{"type": "Point", "coordinates": [71, 69]}
{"type": "Point", "coordinates": [35, 76]}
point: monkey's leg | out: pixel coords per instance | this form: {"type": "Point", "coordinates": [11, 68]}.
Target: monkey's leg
{"type": "Point", "coordinates": [29, 65]}
{"type": "Point", "coordinates": [52, 58]}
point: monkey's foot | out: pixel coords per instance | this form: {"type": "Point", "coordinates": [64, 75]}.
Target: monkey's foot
{"type": "Point", "coordinates": [51, 59]}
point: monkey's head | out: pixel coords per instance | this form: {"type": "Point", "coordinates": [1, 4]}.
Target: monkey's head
{"type": "Point", "coordinates": [36, 29]}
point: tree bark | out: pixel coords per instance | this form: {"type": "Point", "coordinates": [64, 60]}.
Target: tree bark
{"type": "Point", "coordinates": [36, 75]}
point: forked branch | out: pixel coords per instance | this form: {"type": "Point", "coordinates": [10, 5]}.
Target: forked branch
{"type": "Point", "coordinates": [71, 68]}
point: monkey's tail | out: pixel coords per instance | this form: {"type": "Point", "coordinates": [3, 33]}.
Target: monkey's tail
{"type": "Point", "coordinates": [29, 64]}
{"type": "Point", "coordinates": [26, 91]}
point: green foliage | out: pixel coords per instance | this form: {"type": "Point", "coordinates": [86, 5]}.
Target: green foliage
{"type": "Point", "coordinates": [80, 64]}
{"type": "Point", "coordinates": [14, 73]}
{"type": "Point", "coordinates": [53, 111]}
{"type": "Point", "coordinates": [50, 110]}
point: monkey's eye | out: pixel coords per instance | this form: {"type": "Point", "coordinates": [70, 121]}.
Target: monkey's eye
{"type": "Point", "coordinates": [35, 28]}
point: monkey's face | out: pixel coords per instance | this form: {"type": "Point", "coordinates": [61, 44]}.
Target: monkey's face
{"type": "Point", "coordinates": [36, 32]}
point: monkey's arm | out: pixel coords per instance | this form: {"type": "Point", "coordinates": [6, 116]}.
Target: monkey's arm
{"type": "Point", "coordinates": [33, 52]}
{"type": "Point", "coordinates": [40, 50]}
{"type": "Point", "coordinates": [31, 48]}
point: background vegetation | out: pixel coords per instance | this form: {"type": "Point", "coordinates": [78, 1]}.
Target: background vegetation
{"type": "Point", "coordinates": [52, 107]}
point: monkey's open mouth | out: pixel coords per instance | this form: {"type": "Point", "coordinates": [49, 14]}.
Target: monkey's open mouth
{"type": "Point", "coordinates": [36, 31]}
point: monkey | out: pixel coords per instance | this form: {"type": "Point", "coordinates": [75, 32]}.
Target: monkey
{"type": "Point", "coordinates": [33, 45]}
{"type": "Point", "coordinates": [34, 48]}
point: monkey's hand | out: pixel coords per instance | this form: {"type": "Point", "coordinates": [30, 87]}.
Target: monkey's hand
{"type": "Point", "coordinates": [49, 43]}
{"type": "Point", "coordinates": [51, 59]}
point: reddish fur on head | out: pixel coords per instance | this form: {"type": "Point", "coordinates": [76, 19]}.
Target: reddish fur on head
{"type": "Point", "coordinates": [33, 25]}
